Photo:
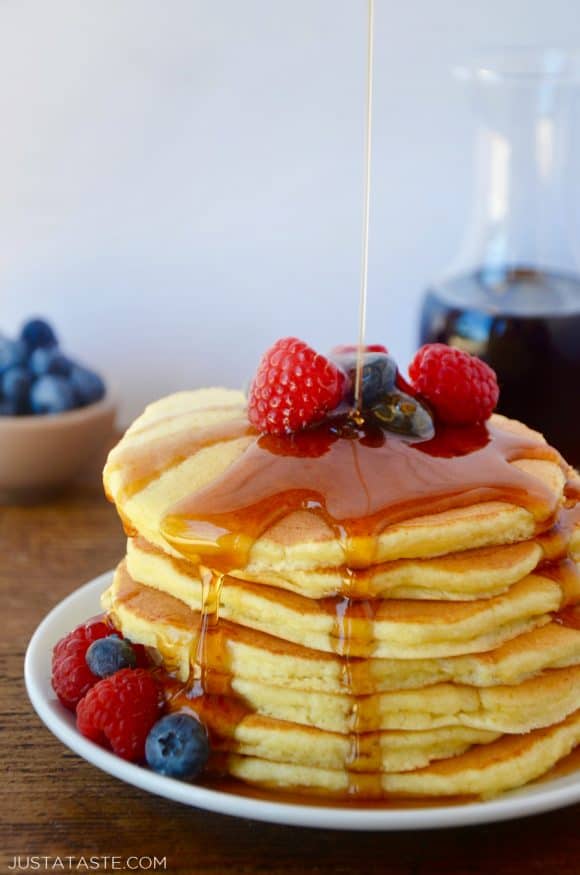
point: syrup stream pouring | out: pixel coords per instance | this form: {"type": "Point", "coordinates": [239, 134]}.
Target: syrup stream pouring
{"type": "Point", "coordinates": [212, 579]}
{"type": "Point", "coordinates": [366, 217]}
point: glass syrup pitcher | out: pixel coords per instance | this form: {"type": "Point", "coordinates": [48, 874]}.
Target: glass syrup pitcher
{"type": "Point", "coordinates": [513, 295]}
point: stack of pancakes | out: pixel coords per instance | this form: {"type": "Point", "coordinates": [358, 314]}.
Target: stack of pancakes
{"type": "Point", "coordinates": [437, 655]}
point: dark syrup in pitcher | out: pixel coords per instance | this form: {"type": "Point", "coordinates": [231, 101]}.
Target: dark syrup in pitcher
{"type": "Point", "coordinates": [526, 324]}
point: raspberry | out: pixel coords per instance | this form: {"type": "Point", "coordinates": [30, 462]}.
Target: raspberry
{"type": "Point", "coordinates": [120, 710]}
{"type": "Point", "coordinates": [461, 389]}
{"type": "Point", "coordinates": [403, 385]}
{"type": "Point", "coordinates": [293, 387]}
{"type": "Point", "coordinates": [71, 676]}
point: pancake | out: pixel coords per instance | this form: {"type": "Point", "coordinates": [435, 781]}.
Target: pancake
{"type": "Point", "coordinates": [538, 702]}
{"type": "Point", "coordinates": [471, 574]}
{"type": "Point", "coordinates": [267, 739]}
{"type": "Point", "coordinates": [164, 623]}
{"type": "Point", "coordinates": [188, 442]}
{"type": "Point", "coordinates": [483, 771]}
{"type": "Point", "coordinates": [388, 628]}
{"type": "Point", "coordinates": [235, 729]}
{"type": "Point", "coordinates": [255, 735]}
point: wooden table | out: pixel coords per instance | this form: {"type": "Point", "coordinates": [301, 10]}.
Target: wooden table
{"type": "Point", "coordinates": [54, 804]}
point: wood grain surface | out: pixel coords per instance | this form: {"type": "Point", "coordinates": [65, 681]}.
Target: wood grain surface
{"type": "Point", "coordinates": [55, 805]}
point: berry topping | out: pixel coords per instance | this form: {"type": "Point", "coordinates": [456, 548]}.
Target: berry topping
{"type": "Point", "coordinates": [52, 394]}
{"type": "Point", "coordinates": [404, 415]}
{"type": "Point", "coordinates": [379, 373]}
{"type": "Point", "coordinates": [108, 655]}
{"type": "Point", "coordinates": [378, 377]}
{"type": "Point", "coordinates": [177, 746]}
{"type": "Point", "coordinates": [71, 676]}
{"type": "Point", "coordinates": [293, 387]}
{"type": "Point", "coordinates": [403, 385]}
{"type": "Point", "coordinates": [461, 389]}
{"type": "Point", "coordinates": [38, 333]}
{"type": "Point", "coordinates": [120, 710]}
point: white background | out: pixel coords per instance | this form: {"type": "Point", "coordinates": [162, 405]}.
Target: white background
{"type": "Point", "coordinates": [180, 180]}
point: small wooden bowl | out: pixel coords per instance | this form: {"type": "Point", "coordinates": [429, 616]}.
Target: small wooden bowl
{"type": "Point", "coordinates": [41, 454]}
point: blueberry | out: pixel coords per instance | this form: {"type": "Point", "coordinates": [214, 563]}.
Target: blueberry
{"type": "Point", "coordinates": [404, 415]}
{"type": "Point", "coordinates": [378, 375]}
{"type": "Point", "coordinates": [12, 353]}
{"type": "Point", "coordinates": [8, 408]}
{"type": "Point", "coordinates": [177, 746]}
{"type": "Point", "coordinates": [87, 385]}
{"type": "Point", "coordinates": [15, 384]}
{"type": "Point", "coordinates": [49, 360]}
{"type": "Point", "coordinates": [38, 333]}
{"type": "Point", "coordinates": [52, 394]}
{"type": "Point", "coordinates": [107, 655]}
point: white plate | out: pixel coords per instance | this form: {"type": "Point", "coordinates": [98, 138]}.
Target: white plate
{"type": "Point", "coordinates": [84, 603]}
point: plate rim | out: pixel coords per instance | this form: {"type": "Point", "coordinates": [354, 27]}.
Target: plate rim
{"type": "Point", "coordinates": [506, 807]}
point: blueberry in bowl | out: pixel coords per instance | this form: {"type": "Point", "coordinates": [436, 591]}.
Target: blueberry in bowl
{"type": "Point", "coordinates": [37, 377]}
{"type": "Point", "coordinates": [55, 413]}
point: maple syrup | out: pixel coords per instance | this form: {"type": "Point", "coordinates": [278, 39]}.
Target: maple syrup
{"type": "Point", "coordinates": [526, 325]}
{"type": "Point", "coordinates": [357, 481]}
{"type": "Point", "coordinates": [139, 464]}
{"type": "Point", "coordinates": [357, 485]}
{"type": "Point", "coordinates": [224, 783]}
{"type": "Point", "coordinates": [209, 641]}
